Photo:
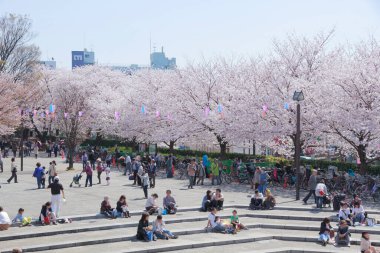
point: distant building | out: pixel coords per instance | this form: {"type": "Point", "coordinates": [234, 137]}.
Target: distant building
{"type": "Point", "coordinates": [50, 64]}
{"type": "Point", "coordinates": [82, 58]}
{"type": "Point", "coordinates": [158, 60]}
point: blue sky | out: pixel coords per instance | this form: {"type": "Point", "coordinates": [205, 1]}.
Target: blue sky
{"type": "Point", "coordinates": [119, 30]}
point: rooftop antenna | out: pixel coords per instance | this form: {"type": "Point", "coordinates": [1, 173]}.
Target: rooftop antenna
{"type": "Point", "coordinates": [150, 48]}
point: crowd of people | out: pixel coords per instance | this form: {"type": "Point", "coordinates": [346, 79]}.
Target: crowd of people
{"type": "Point", "coordinates": [142, 171]}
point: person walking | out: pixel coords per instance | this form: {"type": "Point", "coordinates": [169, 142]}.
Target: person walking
{"type": "Point", "coordinates": [99, 170]}
{"type": "Point", "coordinates": [14, 171]}
{"type": "Point", "coordinates": [152, 173]}
{"type": "Point", "coordinates": [215, 172]}
{"type": "Point", "coordinates": [312, 184]}
{"type": "Point", "coordinates": [320, 192]}
{"type": "Point", "coordinates": [169, 166]}
{"type": "Point", "coordinates": [38, 174]}
{"type": "Point", "coordinates": [88, 171]}
{"type": "Point", "coordinates": [201, 173]}
{"type": "Point", "coordinates": [84, 159]}
{"type": "Point", "coordinates": [256, 178]}
{"type": "Point", "coordinates": [52, 171]}
{"type": "Point", "coordinates": [1, 163]}
{"type": "Point", "coordinates": [128, 166]}
{"type": "Point", "coordinates": [191, 169]}
{"type": "Point", "coordinates": [145, 183]}
{"type": "Point", "coordinates": [56, 189]}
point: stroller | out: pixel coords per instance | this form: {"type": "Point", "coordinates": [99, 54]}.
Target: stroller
{"type": "Point", "coordinates": [76, 179]}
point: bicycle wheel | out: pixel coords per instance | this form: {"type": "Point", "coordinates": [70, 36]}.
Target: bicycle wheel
{"type": "Point", "coordinates": [227, 178]}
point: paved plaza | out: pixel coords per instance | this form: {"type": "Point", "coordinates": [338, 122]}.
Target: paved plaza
{"type": "Point", "coordinates": [290, 226]}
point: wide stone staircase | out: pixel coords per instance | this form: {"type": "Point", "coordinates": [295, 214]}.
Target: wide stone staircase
{"type": "Point", "coordinates": [285, 229]}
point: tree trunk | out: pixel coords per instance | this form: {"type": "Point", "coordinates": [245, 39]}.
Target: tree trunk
{"type": "Point", "coordinates": [171, 146]}
{"type": "Point", "coordinates": [223, 149]}
{"type": "Point", "coordinates": [363, 161]}
{"type": "Point", "coordinates": [223, 146]}
{"type": "Point", "coordinates": [70, 154]}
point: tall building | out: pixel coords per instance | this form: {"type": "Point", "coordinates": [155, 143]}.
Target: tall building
{"type": "Point", "coordinates": [158, 60]}
{"type": "Point", "coordinates": [82, 58]}
{"type": "Point", "coordinates": [49, 64]}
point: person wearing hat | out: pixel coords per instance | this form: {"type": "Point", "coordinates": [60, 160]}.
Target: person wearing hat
{"type": "Point", "coordinates": [56, 188]}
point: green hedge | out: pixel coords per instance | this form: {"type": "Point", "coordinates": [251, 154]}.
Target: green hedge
{"type": "Point", "coordinates": [196, 153]}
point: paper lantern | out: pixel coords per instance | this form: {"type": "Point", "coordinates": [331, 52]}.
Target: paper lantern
{"type": "Point", "coordinates": [65, 115]}
{"type": "Point", "coordinates": [35, 112]}
{"type": "Point", "coordinates": [265, 108]}
{"type": "Point", "coordinates": [286, 106]}
{"type": "Point", "coordinates": [207, 111]}
{"type": "Point", "coordinates": [358, 161]}
{"type": "Point", "coordinates": [80, 113]}
{"type": "Point", "coordinates": [52, 108]}
{"type": "Point", "coordinates": [157, 114]}
{"type": "Point", "coordinates": [220, 108]}
{"type": "Point", "coordinates": [117, 116]}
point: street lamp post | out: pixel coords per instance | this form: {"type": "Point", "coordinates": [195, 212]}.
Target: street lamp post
{"type": "Point", "coordinates": [298, 96]}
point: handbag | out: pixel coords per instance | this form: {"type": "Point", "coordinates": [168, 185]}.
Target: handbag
{"type": "Point", "coordinates": [371, 222]}
{"type": "Point", "coordinates": [47, 220]}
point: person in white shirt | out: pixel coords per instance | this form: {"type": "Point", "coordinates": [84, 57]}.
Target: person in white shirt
{"type": "Point", "coordinates": [358, 213]}
{"type": "Point", "coordinates": [5, 221]}
{"type": "Point", "coordinates": [145, 182]}
{"type": "Point", "coordinates": [320, 192]}
{"type": "Point", "coordinates": [151, 205]}
{"type": "Point", "coordinates": [365, 244]}
{"type": "Point", "coordinates": [214, 222]}
{"type": "Point", "coordinates": [160, 230]}
{"type": "Point", "coordinates": [345, 213]}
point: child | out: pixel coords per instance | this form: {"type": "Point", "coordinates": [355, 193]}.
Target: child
{"type": "Point", "coordinates": [108, 174]}
{"type": "Point", "coordinates": [43, 176]}
{"type": "Point", "coordinates": [235, 221]}
{"type": "Point", "coordinates": [19, 216]}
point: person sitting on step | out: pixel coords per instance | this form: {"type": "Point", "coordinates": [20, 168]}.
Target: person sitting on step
{"type": "Point", "coordinates": [256, 200]}
{"type": "Point", "coordinates": [358, 213]}
{"type": "Point", "coordinates": [47, 216]}
{"type": "Point", "coordinates": [105, 208]}
{"type": "Point", "coordinates": [160, 230]}
{"type": "Point", "coordinates": [325, 231]}
{"type": "Point", "coordinates": [343, 235]}
{"type": "Point", "coordinates": [169, 203]}
{"type": "Point", "coordinates": [122, 208]}
{"type": "Point", "coordinates": [345, 213]}
{"type": "Point", "coordinates": [144, 231]}
{"type": "Point", "coordinates": [365, 244]}
{"type": "Point", "coordinates": [151, 205]}
{"type": "Point", "coordinates": [269, 201]}
{"type": "Point", "coordinates": [237, 225]}
{"type": "Point", "coordinates": [217, 199]}
{"type": "Point", "coordinates": [216, 224]}
{"type": "Point", "coordinates": [206, 201]}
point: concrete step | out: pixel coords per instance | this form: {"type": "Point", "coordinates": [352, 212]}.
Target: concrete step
{"type": "Point", "coordinates": [269, 220]}
{"type": "Point", "coordinates": [294, 233]}
{"type": "Point", "coordinates": [245, 241]}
